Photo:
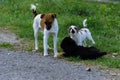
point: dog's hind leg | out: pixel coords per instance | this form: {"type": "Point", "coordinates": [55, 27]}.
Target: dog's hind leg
{"type": "Point", "coordinates": [91, 39]}
{"type": "Point", "coordinates": [36, 29]}
{"type": "Point", "coordinates": [36, 39]}
{"type": "Point", "coordinates": [93, 42]}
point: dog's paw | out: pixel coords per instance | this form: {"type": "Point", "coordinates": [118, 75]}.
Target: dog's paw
{"type": "Point", "coordinates": [55, 56]}
{"type": "Point", "coordinates": [45, 54]}
{"type": "Point", "coordinates": [58, 55]}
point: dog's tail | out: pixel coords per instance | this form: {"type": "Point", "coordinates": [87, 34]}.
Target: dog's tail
{"type": "Point", "coordinates": [33, 8]}
{"type": "Point", "coordinates": [85, 23]}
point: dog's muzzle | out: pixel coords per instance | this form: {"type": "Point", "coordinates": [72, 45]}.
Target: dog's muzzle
{"type": "Point", "coordinates": [72, 31]}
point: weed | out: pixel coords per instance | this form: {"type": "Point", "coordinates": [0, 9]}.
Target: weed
{"type": "Point", "coordinates": [6, 45]}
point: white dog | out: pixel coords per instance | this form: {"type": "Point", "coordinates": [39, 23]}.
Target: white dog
{"type": "Point", "coordinates": [80, 35]}
{"type": "Point", "coordinates": [48, 24]}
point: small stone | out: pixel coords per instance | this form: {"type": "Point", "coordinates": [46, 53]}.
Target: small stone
{"type": "Point", "coordinates": [8, 53]}
{"type": "Point", "coordinates": [88, 69]}
{"type": "Point", "coordinates": [114, 54]}
{"type": "Point", "coordinates": [118, 74]}
{"type": "Point", "coordinates": [113, 74]}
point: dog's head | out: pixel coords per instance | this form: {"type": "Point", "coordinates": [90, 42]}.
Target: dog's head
{"type": "Point", "coordinates": [73, 30]}
{"type": "Point", "coordinates": [47, 20]}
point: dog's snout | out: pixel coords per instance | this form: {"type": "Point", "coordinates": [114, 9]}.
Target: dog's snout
{"type": "Point", "coordinates": [48, 27]}
{"type": "Point", "coordinates": [72, 31]}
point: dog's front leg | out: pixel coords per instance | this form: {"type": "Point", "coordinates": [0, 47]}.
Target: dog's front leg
{"type": "Point", "coordinates": [45, 39]}
{"type": "Point", "coordinates": [84, 43]}
{"type": "Point", "coordinates": [55, 45]}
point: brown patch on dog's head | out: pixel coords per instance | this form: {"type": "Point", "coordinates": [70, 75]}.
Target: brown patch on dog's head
{"type": "Point", "coordinates": [47, 20]}
{"type": "Point", "coordinates": [77, 28]}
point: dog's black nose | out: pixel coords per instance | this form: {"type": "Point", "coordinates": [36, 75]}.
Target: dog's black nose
{"type": "Point", "coordinates": [73, 31]}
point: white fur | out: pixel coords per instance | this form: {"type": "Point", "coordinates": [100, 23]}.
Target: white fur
{"type": "Point", "coordinates": [33, 7]}
{"type": "Point", "coordinates": [80, 36]}
{"type": "Point", "coordinates": [46, 33]}
{"type": "Point", "coordinates": [84, 23]}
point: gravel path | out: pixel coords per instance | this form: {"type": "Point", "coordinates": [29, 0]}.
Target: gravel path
{"type": "Point", "coordinates": [17, 65]}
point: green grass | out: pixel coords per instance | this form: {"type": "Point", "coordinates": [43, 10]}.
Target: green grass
{"type": "Point", "coordinates": [109, 62]}
{"type": "Point", "coordinates": [103, 22]}
{"type": "Point", "coordinates": [6, 45]}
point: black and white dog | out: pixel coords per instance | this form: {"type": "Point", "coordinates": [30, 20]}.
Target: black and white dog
{"type": "Point", "coordinates": [80, 35]}
{"type": "Point", "coordinates": [48, 24]}
{"type": "Point", "coordinates": [70, 48]}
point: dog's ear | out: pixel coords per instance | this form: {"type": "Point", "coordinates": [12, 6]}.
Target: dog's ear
{"type": "Point", "coordinates": [42, 15]}
{"type": "Point", "coordinates": [69, 29]}
{"type": "Point", "coordinates": [53, 15]}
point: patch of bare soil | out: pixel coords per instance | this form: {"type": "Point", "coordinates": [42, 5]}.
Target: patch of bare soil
{"type": "Point", "coordinates": [7, 36]}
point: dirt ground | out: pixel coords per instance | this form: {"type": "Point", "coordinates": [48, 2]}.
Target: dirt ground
{"type": "Point", "coordinates": [24, 65]}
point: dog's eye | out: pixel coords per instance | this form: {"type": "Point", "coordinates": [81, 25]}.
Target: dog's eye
{"type": "Point", "coordinates": [75, 28]}
{"type": "Point", "coordinates": [48, 23]}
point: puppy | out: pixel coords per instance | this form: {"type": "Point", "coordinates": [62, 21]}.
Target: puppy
{"type": "Point", "coordinates": [48, 24]}
{"type": "Point", "coordinates": [80, 35]}
{"type": "Point", "coordinates": [70, 48]}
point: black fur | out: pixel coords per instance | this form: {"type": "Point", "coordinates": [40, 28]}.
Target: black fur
{"type": "Point", "coordinates": [71, 49]}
